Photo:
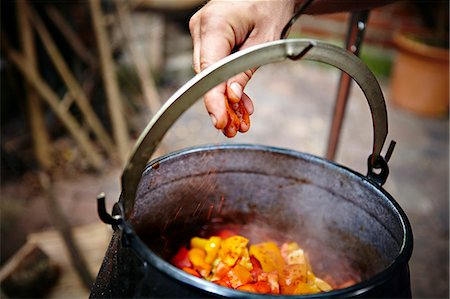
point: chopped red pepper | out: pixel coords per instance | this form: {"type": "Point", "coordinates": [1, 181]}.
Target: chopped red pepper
{"type": "Point", "coordinates": [262, 269]}
{"type": "Point", "coordinates": [225, 233]}
{"type": "Point", "coordinates": [260, 287]}
{"type": "Point", "coordinates": [181, 259]}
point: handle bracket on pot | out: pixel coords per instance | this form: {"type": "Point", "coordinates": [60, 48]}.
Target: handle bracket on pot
{"type": "Point", "coordinates": [240, 61]}
{"type": "Point", "coordinates": [381, 163]}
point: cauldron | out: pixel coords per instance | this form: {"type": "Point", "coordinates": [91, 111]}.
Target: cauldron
{"type": "Point", "coordinates": [345, 220]}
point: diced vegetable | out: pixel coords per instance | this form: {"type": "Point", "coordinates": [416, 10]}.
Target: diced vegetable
{"type": "Point", "coordinates": [197, 242]}
{"type": "Point", "coordinates": [181, 259]}
{"type": "Point", "coordinates": [260, 287]}
{"type": "Point", "coordinates": [191, 271]}
{"type": "Point", "coordinates": [268, 254]}
{"type": "Point", "coordinates": [264, 268]}
{"type": "Point", "coordinates": [290, 277]}
{"type": "Point", "coordinates": [231, 249]}
{"type": "Point", "coordinates": [197, 258]}
{"type": "Point", "coordinates": [239, 275]}
{"type": "Point", "coordinates": [219, 271]}
{"type": "Point", "coordinates": [226, 233]}
{"type": "Point", "coordinates": [322, 285]}
{"type": "Point", "coordinates": [272, 279]}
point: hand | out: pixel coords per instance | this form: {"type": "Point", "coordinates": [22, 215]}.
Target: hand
{"type": "Point", "coordinates": [221, 27]}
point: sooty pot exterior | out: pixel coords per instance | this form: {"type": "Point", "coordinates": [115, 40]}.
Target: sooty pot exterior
{"type": "Point", "coordinates": [342, 219]}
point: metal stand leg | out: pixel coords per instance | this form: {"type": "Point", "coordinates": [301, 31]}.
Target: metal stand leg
{"type": "Point", "coordinates": [354, 40]}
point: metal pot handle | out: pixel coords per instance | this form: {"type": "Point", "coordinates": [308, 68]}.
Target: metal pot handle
{"type": "Point", "coordinates": [240, 61]}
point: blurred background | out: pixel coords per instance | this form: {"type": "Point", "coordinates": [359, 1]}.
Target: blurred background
{"type": "Point", "coordinates": [81, 79]}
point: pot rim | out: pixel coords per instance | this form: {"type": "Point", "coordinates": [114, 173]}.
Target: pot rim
{"type": "Point", "coordinates": [360, 288]}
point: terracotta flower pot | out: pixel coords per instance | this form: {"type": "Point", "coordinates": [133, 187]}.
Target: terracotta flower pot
{"type": "Point", "coordinates": [420, 79]}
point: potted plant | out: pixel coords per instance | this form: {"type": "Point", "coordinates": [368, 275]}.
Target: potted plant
{"type": "Point", "coordinates": [420, 78]}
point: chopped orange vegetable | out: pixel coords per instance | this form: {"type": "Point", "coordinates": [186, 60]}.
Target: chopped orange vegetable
{"type": "Point", "coordinates": [305, 288]}
{"type": "Point", "coordinates": [244, 260]}
{"type": "Point", "coordinates": [262, 269]}
{"type": "Point", "coordinates": [239, 275]}
{"type": "Point", "coordinates": [223, 282]}
{"type": "Point", "coordinates": [290, 277]}
{"type": "Point", "coordinates": [231, 249]}
{"type": "Point", "coordinates": [268, 254]}
{"type": "Point", "coordinates": [260, 287]}
{"type": "Point", "coordinates": [272, 279]}
{"type": "Point", "coordinates": [191, 271]}
{"type": "Point", "coordinates": [219, 271]}
{"type": "Point", "coordinates": [197, 258]}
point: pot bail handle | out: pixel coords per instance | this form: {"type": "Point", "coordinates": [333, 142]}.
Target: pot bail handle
{"type": "Point", "coordinates": [240, 61]}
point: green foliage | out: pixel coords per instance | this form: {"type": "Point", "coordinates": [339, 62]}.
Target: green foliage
{"type": "Point", "coordinates": [378, 60]}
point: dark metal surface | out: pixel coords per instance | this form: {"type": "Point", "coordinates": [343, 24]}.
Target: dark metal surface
{"type": "Point", "coordinates": [355, 36]}
{"type": "Point", "coordinates": [341, 218]}
{"type": "Point", "coordinates": [241, 61]}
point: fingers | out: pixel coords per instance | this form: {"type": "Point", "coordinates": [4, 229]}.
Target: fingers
{"type": "Point", "coordinates": [216, 106]}
{"type": "Point", "coordinates": [233, 123]}
{"type": "Point", "coordinates": [194, 28]}
{"type": "Point", "coordinates": [242, 114]}
{"type": "Point", "coordinates": [248, 103]}
{"type": "Point", "coordinates": [209, 47]}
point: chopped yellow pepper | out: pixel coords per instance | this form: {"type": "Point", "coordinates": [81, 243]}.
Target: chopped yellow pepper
{"type": "Point", "coordinates": [245, 260]}
{"type": "Point", "coordinates": [212, 248]}
{"type": "Point", "coordinates": [197, 242]}
{"type": "Point", "coordinates": [197, 258]}
{"type": "Point", "coordinates": [268, 254]}
{"type": "Point", "coordinates": [231, 249]}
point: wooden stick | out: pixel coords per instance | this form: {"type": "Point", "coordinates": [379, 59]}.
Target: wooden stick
{"type": "Point", "coordinates": [147, 83]}
{"type": "Point", "coordinates": [71, 37]}
{"type": "Point", "coordinates": [110, 81]}
{"type": "Point", "coordinates": [88, 86]}
{"type": "Point", "coordinates": [72, 84]}
{"type": "Point", "coordinates": [41, 139]}
{"type": "Point", "coordinates": [64, 229]}
{"type": "Point", "coordinates": [52, 100]}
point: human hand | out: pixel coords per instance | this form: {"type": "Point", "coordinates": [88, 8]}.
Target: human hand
{"type": "Point", "coordinates": [218, 29]}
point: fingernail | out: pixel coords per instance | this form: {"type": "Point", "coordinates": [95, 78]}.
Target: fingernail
{"type": "Point", "coordinates": [213, 119]}
{"type": "Point", "coordinates": [237, 89]}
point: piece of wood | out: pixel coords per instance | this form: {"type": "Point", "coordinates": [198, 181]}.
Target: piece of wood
{"type": "Point", "coordinates": [71, 37]}
{"type": "Point", "coordinates": [148, 85]}
{"type": "Point", "coordinates": [29, 273]}
{"type": "Point", "coordinates": [62, 225]}
{"type": "Point", "coordinates": [72, 84]}
{"type": "Point", "coordinates": [93, 240]}
{"type": "Point", "coordinates": [88, 84]}
{"type": "Point", "coordinates": [110, 81]}
{"type": "Point", "coordinates": [52, 99]}
{"type": "Point", "coordinates": [41, 139]}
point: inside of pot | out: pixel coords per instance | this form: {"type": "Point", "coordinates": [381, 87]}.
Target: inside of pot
{"type": "Point", "coordinates": [347, 226]}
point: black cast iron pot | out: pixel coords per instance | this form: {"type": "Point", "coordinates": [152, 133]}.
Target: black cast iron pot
{"type": "Point", "coordinates": [345, 221]}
